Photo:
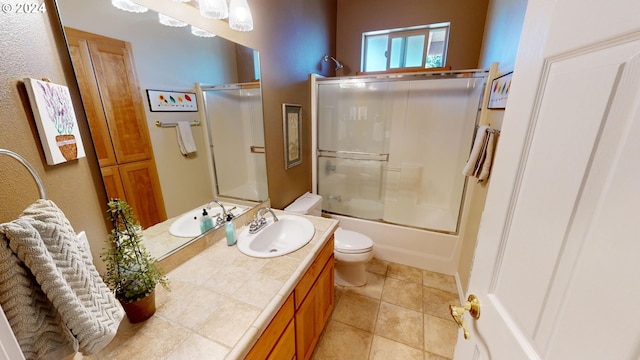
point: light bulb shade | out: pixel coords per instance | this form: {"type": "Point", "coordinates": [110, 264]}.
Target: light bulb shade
{"type": "Point", "coordinates": [240, 18]}
{"type": "Point", "coordinates": [201, 33]}
{"type": "Point", "coordinates": [214, 9]}
{"type": "Point", "coordinates": [169, 21]}
{"type": "Point", "coordinates": [128, 5]}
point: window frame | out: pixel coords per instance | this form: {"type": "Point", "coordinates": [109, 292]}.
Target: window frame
{"type": "Point", "coordinates": [404, 33]}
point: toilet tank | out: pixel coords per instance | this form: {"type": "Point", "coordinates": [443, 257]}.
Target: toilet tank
{"type": "Point", "coordinates": [307, 204]}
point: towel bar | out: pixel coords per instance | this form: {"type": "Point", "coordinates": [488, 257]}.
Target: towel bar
{"type": "Point", "coordinates": [32, 170]}
{"type": "Point", "coordinates": [174, 124]}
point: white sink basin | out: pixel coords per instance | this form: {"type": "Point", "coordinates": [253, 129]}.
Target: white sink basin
{"type": "Point", "coordinates": [287, 235]}
{"type": "Point", "coordinates": [188, 224]}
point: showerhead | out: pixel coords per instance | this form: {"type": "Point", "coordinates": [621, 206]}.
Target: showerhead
{"type": "Point", "coordinates": [339, 65]}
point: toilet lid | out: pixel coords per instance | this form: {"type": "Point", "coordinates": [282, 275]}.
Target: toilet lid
{"type": "Point", "coordinates": [351, 242]}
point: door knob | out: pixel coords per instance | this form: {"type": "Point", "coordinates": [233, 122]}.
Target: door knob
{"type": "Point", "coordinates": [472, 305]}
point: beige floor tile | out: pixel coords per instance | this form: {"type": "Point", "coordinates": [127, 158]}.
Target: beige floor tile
{"type": "Point", "coordinates": [404, 272]}
{"type": "Point", "coordinates": [385, 349]}
{"type": "Point", "coordinates": [403, 293]}
{"type": "Point", "coordinates": [337, 293]}
{"type": "Point", "coordinates": [198, 347]}
{"type": "Point", "coordinates": [440, 336]}
{"type": "Point", "coordinates": [218, 327]}
{"type": "Point", "coordinates": [190, 306]}
{"type": "Point", "coordinates": [340, 341]}
{"type": "Point", "coordinates": [377, 266]}
{"type": "Point", "coordinates": [400, 324]}
{"type": "Point", "coordinates": [439, 281]}
{"type": "Point", "coordinates": [155, 340]}
{"type": "Point", "coordinates": [357, 310]}
{"type": "Point", "coordinates": [436, 302]}
{"type": "Point", "coordinates": [372, 289]}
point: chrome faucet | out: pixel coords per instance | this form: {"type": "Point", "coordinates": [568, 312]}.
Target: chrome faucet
{"type": "Point", "coordinates": [222, 217]}
{"type": "Point", "coordinates": [334, 197]}
{"type": "Point", "coordinates": [259, 221]}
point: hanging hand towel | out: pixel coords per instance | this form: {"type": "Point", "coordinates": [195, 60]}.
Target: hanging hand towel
{"type": "Point", "coordinates": [481, 157]}
{"type": "Point", "coordinates": [475, 158]}
{"type": "Point", "coordinates": [185, 138]}
{"type": "Point", "coordinates": [56, 286]}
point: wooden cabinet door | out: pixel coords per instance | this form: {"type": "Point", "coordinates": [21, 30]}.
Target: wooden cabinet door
{"type": "Point", "coordinates": [121, 99]}
{"type": "Point", "coordinates": [83, 68]}
{"type": "Point", "coordinates": [142, 188]}
{"type": "Point", "coordinates": [113, 183]}
{"type": "Point", "coordinates": [325, 293]}
{"type": "Point", "coordinates": [314, 312]}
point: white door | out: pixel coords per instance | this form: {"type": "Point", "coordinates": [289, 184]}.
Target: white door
{"type": "Point", "coordinates": [558, 257]}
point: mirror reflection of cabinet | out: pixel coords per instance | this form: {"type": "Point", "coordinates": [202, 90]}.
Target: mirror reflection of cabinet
{"type": "Point", "coordinates": [108, 83]}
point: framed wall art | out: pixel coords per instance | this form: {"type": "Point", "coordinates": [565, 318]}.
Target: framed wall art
{"type": "Point", "coordinates": [56, 121]}
{"type": "Point", "coordinates": [500, 87]}
{"type": "Point", "coordinates": [292, 125]}
{"type": "Point", "coordinates": [172, 101]}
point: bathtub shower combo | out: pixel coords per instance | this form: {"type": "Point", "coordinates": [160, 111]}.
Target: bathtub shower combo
{"type": "Point", "coordinates": [389, 157]}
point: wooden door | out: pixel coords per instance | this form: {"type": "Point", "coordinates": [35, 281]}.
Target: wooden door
{"type": "Point", "coordinates": [108, 83]}
{"type": "Point", "coordinates": [556, 265]}
{"type": "Point", "coordinates": [91, 101]}
{"type": "Point", "coordinates": [142, 190]}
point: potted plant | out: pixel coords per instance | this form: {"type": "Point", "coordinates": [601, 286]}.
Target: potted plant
{"type": "Point", "coordinates": [132, 274]}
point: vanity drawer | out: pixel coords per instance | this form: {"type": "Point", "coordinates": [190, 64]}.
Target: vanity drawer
{"type": "Point", "coordinates": [305, 284]}
{"type": "Point", "coordinates": [275, 337]}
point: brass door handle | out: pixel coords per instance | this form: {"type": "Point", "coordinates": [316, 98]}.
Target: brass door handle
{"type": "Point", "coordinates": [472, 306]}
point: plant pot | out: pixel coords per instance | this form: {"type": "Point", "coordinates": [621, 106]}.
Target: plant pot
{"type": "Point", "coordinates": [67, 145]}
{"type": "Point", "coordinates": [141, 310]}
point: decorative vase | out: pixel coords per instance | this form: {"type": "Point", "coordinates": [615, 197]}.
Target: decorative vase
{"type": "Point", "coordinates": [67, 145]}
{"type": "Point", "coordinates": [140, 310]}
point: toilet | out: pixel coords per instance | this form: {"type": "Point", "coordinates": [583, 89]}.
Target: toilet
{"type": "Point", "coordinates": [351, 249]}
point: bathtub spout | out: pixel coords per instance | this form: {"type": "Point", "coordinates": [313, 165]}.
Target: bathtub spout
{"type": "Point", "coordinates": [338, 198]}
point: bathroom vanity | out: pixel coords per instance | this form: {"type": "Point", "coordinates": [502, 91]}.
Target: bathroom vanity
{"type": "Point", "coordinates": [227, 305]}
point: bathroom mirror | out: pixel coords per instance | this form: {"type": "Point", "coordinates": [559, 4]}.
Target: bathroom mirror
{"type": "Point", "coordinates": [172, 59]}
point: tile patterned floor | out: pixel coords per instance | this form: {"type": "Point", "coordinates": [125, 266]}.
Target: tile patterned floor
{"type": "Point", "coordinates": [402, 313]}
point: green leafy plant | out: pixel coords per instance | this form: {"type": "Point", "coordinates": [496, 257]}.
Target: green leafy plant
{"type": "Point", "coordinates": [132, 273]}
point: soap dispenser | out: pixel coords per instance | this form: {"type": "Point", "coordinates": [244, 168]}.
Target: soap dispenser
{"type": "Point", "coordinates": [230, 230]}
{"type": "Point", "coordinates": [206, 223]}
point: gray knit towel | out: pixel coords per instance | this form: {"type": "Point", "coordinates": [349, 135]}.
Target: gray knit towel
{"type": "Point", "coordinates": [50, 290]}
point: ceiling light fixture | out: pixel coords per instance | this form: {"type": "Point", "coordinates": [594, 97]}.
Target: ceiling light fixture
{"type": "Point", "coordinates": [169, 21]}
{"type": "Point", "coordinates": [201, 33]}
{"type": "Point", "coordinates": [240, 18]}
{"type": "Point", "coordinates": [214, 9]}
{"type": "Point", "coordinates": [128, 5]}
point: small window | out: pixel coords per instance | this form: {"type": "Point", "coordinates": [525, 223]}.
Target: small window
{"type": "Point", "coordinates": [415, 47]}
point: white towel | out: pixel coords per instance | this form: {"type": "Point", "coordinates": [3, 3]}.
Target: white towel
{"type": "Point", "coordinates": [481, 157]}
{"type": "Point", "coordinates": [185, 138]}
{"type": "Point", "coordinates": [51, 292]}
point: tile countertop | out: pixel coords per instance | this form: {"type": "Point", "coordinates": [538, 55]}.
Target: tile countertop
{"type": "Point", "coordinates": [220, 302]}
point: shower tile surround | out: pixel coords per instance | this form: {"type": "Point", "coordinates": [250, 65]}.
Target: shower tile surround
{"type": "Point", "coordinates": [220, 299]}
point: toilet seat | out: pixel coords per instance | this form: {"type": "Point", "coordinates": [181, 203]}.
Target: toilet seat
{"type": "Point", "coordinates": [351, 242]}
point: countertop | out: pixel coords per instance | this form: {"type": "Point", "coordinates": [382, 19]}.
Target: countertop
{"type": "Point", "coordinates": [220, 302]}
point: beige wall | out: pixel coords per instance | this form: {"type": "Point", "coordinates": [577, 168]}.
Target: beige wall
{"type": "Point", "coordinates": [29, 46]}
{"type": "Point", "coordinates": [500, 44]}
{"type": "Point", "coordinates": [357, 16]}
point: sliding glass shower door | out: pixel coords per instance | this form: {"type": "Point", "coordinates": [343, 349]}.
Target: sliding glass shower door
{"type": "Point", "coordinates": [394, 150]}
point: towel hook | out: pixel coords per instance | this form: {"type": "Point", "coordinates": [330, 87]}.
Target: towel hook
{"type": "Point", "coordinates": [23, 161]}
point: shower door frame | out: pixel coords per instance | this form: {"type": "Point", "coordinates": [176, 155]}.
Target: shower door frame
{"type": "Point", "coordinates": [455, 74]}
